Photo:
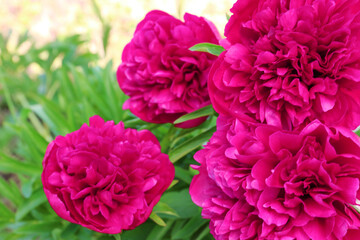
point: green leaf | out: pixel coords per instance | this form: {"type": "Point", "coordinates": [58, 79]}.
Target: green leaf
{"type": "Point", "coordinates": [190, 145]}
{"type": "Point", "coordinates": [202, 112]}
{"type": "Point", "coordinates": [5, 212]}
{"type": "Point", "coordinates": [178, 225]}
{"type": "Point", "coordinates": [183, 174]}
{"type": "Point", "coordinates": [209, 48]}
{"type": "Point", "coordinates": [106, 36]}
{"type": "Point", "coordinates": [181, 202]}
{"type": "Point", "coordinates": [27, 186]}
{"type": "Point", "coordinates": [190, 227]}
{"type": "Point", "coordinates": [140, 232]}
{"type": "Point", "coordinates": [167, 139]}
{"type": "Point", "coordinates": [11, 192]}
{"type": "Point", "coordinates": [52, 116]}
{"type": "Point", "coordinates": [29, 149]}
{"type": "Point", "coordinates": [34, 201]}
{"type": "Point", "coordinates": [7, 96]}
{"type": "Point", "coordinates": [115, 97]}
{"type": "Point", "coordinates": [173, 183]}
{"type": "Point", "coordinates": [56, 234]}
{"type": "Point", "coordinates": [36, 227]}
{"type": "Point", "coordinates": [163, 208]}
{"type": "Point", "coordinates": [67, 86]}
{"type": "Point", "coordinates": [159, 232]}
{"type": "Point", "coordinates": [228, 16]}
{"type": "Point", "coordinates": [134, 123]}
{"type": "Point", "coordinates": [356, 207]}
{"type": "Point", "coordinates": [70, 230]}
{"type": "Point", "coordinates": [157, 219]}
{"type": "Point", "coordinates": [204, 233]}
{"type": "Point", "coordinates": [11, 165]}
{"type": "Point", "coordinates": [96, 9]}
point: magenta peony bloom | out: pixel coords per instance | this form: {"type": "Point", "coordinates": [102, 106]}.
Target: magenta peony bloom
{"type": "Point", "coordinates": [105, 177]}
{"type": "Point", "coordinates": [261, 182]}
{"type": "Point", "coordinates": [163, 78]}
{"type": "Point", "coordinates": [289, 62]}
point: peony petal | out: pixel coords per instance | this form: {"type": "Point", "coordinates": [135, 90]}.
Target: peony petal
{"type": "Point", "coordinates": [319, 228]}
{"type": "Point", "coordinates": [327, 103]}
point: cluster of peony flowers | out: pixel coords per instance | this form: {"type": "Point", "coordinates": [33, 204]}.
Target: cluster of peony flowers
{"type": "Point", "coordinates": [284, 163]}
{"type": "Point", "coordinates": [108, 178]}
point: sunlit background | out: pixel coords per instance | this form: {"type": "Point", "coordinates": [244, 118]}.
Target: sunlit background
{"type": "Point", "coordinates": [47, 20]}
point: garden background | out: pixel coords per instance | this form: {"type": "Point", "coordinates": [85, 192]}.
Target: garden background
{"type": "Point", "coordinates": [57, 68]}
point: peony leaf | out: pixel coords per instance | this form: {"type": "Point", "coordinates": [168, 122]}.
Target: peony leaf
{"type": "Point", "coordinates": [173, 183]}
{"type": "Point", "coordinates": [158, 232]}
{"type": "Point", "coordinates": [181, 202]}
{"type": "Point", "coordinates": [356, 207]}
{"type": "Point", "coordinates": [190, 145]}
{"type": "Point", "coordinates": [183, 174]}
{"type": "Point", "coordinates": [209, 48]}
{"type": "Point", "coordinates": [228, 16]}
{"type": "Point", "coordinates": [157, 219]}
{"type": "Point", "coordinates": [70, 230]}
{"type": "Point", "coordinates": [190, 227]}
{"type": "Point", "coordinates": [204, 234]}
{"type": "Point", "coordinates": [202, 112]}
{"type": "Point", "coordinates": [163, 208]}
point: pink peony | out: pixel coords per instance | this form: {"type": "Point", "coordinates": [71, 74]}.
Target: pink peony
{"type": "Point", "coordinates": [163, 78]}
{"type": "Point", "coordinates": [289, 62]}
{"type": "Point", "coordinates": [105, 177]}
{"type": "Point", "coordinates": [261, 182]}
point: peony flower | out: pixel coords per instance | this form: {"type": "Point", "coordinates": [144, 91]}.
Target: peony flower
{"type": "Point", "coordinates": [262, 182]}
{"type": "Point", "coordinates": [163, 78]}
{"type": "Point", "coordinates": [105, 177]}
{"type": "Point", "coordinates": [289, 62]}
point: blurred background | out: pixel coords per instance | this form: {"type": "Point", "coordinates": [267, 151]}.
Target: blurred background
{"type": "Point", "coordinates": [46, 20]}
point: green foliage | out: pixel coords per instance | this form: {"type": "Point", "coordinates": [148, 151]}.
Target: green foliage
{"type": "Point", "coordinates": [191, 144]}
{"type": "Point", "coordinates": [202, 112]}
{"type": "Point", "coordinates": [209, 48]}
{"type": "Point", "coordinates": [52, 90]}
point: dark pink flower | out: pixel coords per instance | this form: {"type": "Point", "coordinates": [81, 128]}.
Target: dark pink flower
{"type": "Point", "coordinates": [163, 78]}
{"type": "Point", "coordinates": [105, 177]}
{"type": "Point", "coordinates": [289, 62]}
{"type": "Point", "coordinates": [261, 182]}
